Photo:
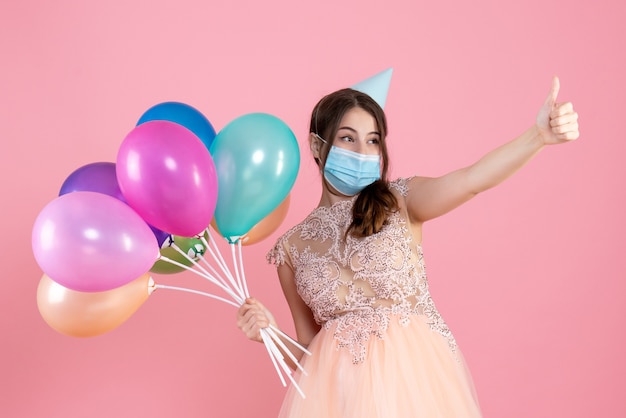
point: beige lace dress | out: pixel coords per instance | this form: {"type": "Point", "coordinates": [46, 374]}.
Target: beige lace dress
{"type": "Point", "coordinates": [383, 349]}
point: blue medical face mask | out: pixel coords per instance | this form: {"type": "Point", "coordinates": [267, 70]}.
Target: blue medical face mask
{"type": "Point", "coordinates": [349, 172]}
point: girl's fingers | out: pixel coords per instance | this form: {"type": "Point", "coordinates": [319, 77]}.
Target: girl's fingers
{"type": "Point", "coordinates": [561, 109]}
{"type": "Point", "coordinates": [564, 119]}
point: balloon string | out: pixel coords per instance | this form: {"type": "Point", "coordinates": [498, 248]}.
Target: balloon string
{"type": "Point", "coordinates": [271, 354]}
{"type": "Point", "coordinates": [181, 252]}
{"type": "Point", "coordinates": [243, 273]}
{"type": "Point", "coordinates": [238, 290]}
{"type": "Point", "coordinates": [286, 350]}
{"type": "Point", "coordinates": [216, 256]}
{"type": "Point", "coordinates": [237, 275]}
{"type": "Point", "coordinates": [269, 339]}
{"type": "Point", "coordinates": [219, 260]}
{"type": "Point", "coordinates": [226, 289]}
{"type": "Point", "coordinates": [207, 275]}
{"type": "Point", "coordinates": [215, 272]}
{"type": "Point", "coordinates": [211, 244]}
{"type": "Point", "coordinates": [291, 340]}
{"type": "Point", "coordinates": [197, 292]}
{"type": "Point", "coordinates": [210, 250]}
{"type": "Point", "coordinates": [281, 360]}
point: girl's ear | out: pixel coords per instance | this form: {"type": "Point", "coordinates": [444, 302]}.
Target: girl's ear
{"type": "Point", "coordinates": [315, 144]}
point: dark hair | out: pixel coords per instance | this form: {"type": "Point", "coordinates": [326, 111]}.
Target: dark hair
{"type": "Point", "coordinates": [375, 202]}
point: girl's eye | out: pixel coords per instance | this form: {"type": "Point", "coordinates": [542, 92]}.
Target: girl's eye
{"type": "Point", "coordinates": [374, 141]}
{"type": "Point", "coordinates": [347, 139]}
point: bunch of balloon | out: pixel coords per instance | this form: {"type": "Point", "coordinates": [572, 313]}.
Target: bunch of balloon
{"type": "Point", "coordinates": [150, 211]}
{"type": "Point", "coordinates": [98, 240]}
{"type": "Point", "coordinates": [256, 159]}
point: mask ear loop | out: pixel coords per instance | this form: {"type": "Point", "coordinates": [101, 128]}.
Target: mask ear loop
{"type": "Point", "coordinates": [316, 133]}
{"type": "Point", "coordinates": [320, 138]}
{"type": "Point", "coordinates": [317, 109]}
{"type": "Point", "coordinates": [315, 112]}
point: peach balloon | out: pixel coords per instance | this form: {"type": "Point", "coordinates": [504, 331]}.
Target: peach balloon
{"type": "Point", "coordinates": [266, 226]}
{"type": "Point", "coordinates": [87, 314]}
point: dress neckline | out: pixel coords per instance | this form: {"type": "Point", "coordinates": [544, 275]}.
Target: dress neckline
{"type": "Point", "coordinates": [341, 202]}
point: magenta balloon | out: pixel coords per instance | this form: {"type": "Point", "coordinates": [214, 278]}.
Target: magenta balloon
{"type": "Point", "coordinates": [167, 175]}
{"type": "Point", "coordinates": [91, 242]}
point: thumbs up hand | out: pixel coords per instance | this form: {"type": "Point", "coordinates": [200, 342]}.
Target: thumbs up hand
{"type": "Point", "coordinates": [557, 122]}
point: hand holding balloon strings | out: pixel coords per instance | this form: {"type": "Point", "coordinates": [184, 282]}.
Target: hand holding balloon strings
{"type": "Point", "coordinates": [236, 287]}
{"type": "Point", "coordinates": [255, 158]}
{"type": "Point", "coordinates": [98, 239]}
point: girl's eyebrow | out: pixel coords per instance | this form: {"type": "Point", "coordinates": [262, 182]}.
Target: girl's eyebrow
{"type": "Point", "coordinates": [353, 130]}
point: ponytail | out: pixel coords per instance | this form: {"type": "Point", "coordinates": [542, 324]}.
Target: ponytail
{"type": "Point", "coordinates": [371, 209]}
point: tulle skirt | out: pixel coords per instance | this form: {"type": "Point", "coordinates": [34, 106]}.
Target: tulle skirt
{"type": "Point", "coordinates": [411, 372]}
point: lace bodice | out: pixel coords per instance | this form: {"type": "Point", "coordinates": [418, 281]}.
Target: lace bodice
{"type": "Point", "coordinates": [359, 284]}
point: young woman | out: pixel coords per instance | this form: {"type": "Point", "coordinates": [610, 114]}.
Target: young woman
{"type": "Point", "coordinates": [353, 271]}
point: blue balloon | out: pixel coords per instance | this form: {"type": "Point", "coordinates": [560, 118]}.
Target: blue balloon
{"type": "Point", "coordinates": [257, 160]}
{"type": "Point", "coordinates": [184, 115]}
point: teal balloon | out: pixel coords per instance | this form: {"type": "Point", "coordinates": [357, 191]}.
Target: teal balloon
{"type": "Point", "coordinates": [257, 159]}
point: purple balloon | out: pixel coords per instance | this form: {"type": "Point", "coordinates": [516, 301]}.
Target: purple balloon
{"type": "Point", "coordinates": [91, 242]}
{"type": "Point", "coordinates": [102, 178]}
{"type": "Point", "coordinates": [95, 177]}
{"type": "Point", "coordinates": [167, 175]}
{"type": "Point", "coordinates": [160, 236]}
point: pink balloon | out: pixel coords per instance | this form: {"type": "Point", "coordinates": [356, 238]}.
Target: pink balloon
{"type": "Point", "coordinates": [91, 242]}
{"type": "Point", "coordinates": [167, 175]}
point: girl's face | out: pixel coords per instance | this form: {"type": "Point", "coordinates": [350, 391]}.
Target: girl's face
{"type": "Point", "coordinates": [358, 133]}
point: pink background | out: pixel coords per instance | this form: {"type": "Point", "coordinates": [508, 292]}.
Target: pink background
{"type": "Point", "coordinates": [529, 276]}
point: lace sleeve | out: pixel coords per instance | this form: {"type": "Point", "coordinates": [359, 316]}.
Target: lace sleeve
{"type": "Point", "coordinates": [401, 185]}
{"type": "Point", "coordinates": [279, 254]}
{"type": "Point", "coordinates": [276, 255]}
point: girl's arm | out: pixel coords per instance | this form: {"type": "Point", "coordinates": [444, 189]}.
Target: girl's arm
{"type": "Point", "coordinates": [253, 316]}
{"type": "Point", "coordinates": [429, 198]}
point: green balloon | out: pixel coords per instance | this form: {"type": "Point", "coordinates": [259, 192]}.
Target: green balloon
{"type": "Point", "coordinates": [193, 247]}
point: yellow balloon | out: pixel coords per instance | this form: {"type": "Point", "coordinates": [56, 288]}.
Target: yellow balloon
{"type": "Point", "coordinates": [87, 314]}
